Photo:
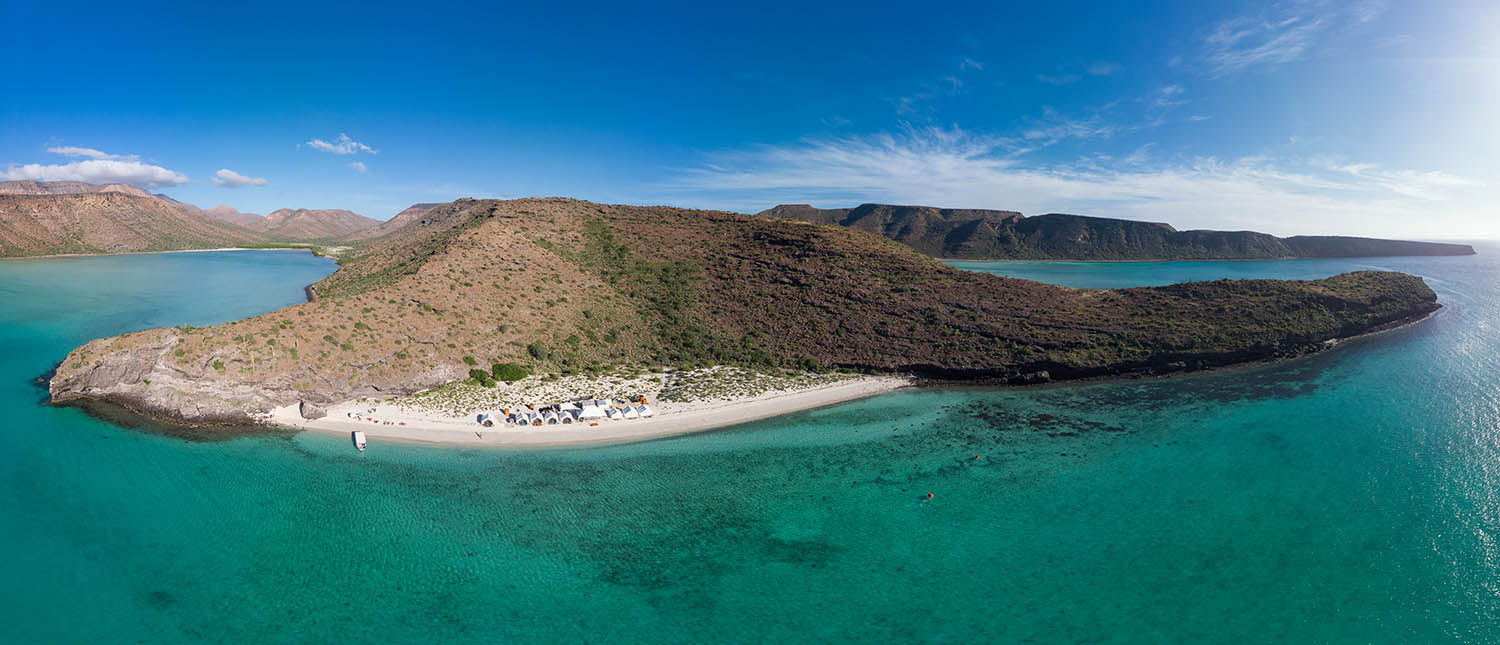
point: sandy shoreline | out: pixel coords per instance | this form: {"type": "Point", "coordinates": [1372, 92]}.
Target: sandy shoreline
{"type": "Point", "coordinates": [673, 419]}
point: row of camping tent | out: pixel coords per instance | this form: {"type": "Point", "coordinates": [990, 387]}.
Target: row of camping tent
{"type": "Point", "coordinates": [567, 413]}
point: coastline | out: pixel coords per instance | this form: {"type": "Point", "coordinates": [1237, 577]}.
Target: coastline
{"type": "Point", "coordinates": [1150, 260]}
{"type": "Point", "coordinates": [674, 419]}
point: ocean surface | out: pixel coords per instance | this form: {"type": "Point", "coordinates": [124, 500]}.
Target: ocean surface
{"type": "Point", "coordinates": [1349, 497]}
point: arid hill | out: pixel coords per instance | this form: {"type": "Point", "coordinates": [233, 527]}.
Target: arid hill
{"type": "Point", "coordinates": [413, 213]}
{"type": "Point", "coordinates": [972, 234]}
{"type": "Point", "coordinates": [108, 222]}
{"type": "Point", "coordinates": [232, 215]}
{"type": "Point", "coordinates": [51, 217]}
{"type": "Point", "coordinates": [565, 285]}
{"type": "Point", "coordinates": [305, 224]}
{"type": "Point", "coordinates": [30, 187]}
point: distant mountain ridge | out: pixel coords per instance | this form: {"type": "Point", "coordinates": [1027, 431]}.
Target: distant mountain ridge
{"type": "Point", "coordinates": [307, 224]}
{"type": "Point", "coordinates": [978, 234]}
{"type": "Point", "coordinates": [55, 217]}
{"type": "Point", "coordinates": [108, 222]}
{"type": "Point", "coordinates": [232, 215]}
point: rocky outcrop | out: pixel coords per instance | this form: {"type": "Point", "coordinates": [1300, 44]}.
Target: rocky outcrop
{"type": "Point", "coordinates": [310, 410]}
{"type": "Point", "coordinates": [140, 372]}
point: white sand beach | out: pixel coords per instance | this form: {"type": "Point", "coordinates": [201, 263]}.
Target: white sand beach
{"type": "Point", "coordinates": [382, 420]}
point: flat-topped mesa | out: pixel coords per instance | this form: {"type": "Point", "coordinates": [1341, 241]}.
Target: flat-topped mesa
{"type": "Point", "coordinates": [975, 234]}
{"type": "Point", "coordinates": [560, 285]}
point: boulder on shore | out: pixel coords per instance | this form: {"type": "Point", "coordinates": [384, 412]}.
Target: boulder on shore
{"type": "Point", "coordinates": [310, 410]}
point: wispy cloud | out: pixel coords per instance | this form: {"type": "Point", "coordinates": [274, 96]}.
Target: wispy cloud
{"type": "Point", "coordinates": [950, 167]}
{"type": "Point", "coordinates": [343, 145]}
{"type": "Point", "coordinates": [1058, 79]}
{"type": "Point", "coordinates": [101, 168]}
{"type": "Point", "coordinates": [1054, 127]}
{"type": "Point", "coordinates": [1284, 33]}
{"type": "Point", "coordinates": [1244, 42]}
{"type": "Point", "coordinates": [74, 151]}
{"type": "Point", "coordinates": [227, 178]}
{"type": "Point", "coordinates": [359, 167]}
{"type": "Point", "coordinates": [970, 63]}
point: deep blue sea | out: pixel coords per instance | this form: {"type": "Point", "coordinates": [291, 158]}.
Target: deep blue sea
{"type": "Point", "coordinates": [1349, 497]}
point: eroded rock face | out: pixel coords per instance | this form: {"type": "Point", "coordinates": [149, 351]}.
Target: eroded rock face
{"type": "Point", "coordinates": [310, 410]}
{"type": "Point", "coordinates": [143, 373]}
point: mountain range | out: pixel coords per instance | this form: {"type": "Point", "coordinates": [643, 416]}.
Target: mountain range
{"type": "Point", "coordinates": [975, 234]}
{"type": "Point", "coordinates": [54, 217]}
{"type": "Point", "coordinates": [297, 223]}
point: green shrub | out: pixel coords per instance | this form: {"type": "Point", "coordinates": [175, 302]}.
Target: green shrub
{"type": "Point", "coordinates": [538, 351]}
{"type": "Point", "coordinates": [469, 360]}
{"type": "Point", "coordinates": [508, 372]}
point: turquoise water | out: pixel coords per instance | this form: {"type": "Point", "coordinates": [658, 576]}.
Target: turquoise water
{"type": "Point", "coordinates": [1353, 496]}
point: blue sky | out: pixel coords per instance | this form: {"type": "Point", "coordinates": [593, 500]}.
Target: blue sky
{"type": "Point", "coordinates": [1366, 117]}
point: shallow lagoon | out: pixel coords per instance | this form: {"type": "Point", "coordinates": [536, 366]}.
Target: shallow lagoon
{"type": "Point", "coordinates": [1350, 496]}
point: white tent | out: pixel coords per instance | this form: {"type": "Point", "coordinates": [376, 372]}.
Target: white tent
{"type": "Point", "coordinates": [536, 419]}
{"type": "Point", "coordinates": [645, 411]}
{"type": "Point", "coordinates": [590, 412]}
{"type": "Point", "coordinates": [632, 413]}
{"type": "Point", "coordinates": [567, 415]}
{"type": "Point", "coordinates": [602, 403]}
{"type": "Point", "coordinates": [551, 418]}
{"type": "Point", "coordinates": [485, 420]}
{"type": "Point", "coordinates": [615, 414]}
{"type": "Point", "coordinates": [566, 407]}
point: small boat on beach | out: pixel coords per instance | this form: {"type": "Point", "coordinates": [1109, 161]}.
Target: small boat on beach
{"type": "Point", "coordinates": [358, 437]}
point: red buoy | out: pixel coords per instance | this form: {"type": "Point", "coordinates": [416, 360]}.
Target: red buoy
{"type": "Point", "coordinates": [929, 495]}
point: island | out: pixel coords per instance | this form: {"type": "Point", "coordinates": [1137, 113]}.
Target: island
{"type": "Point", "coordinates": [480, 307]}
{"type": "Point", "coordinates": [980, 234]}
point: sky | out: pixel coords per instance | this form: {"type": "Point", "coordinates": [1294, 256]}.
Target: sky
{"type": "Point", "coordinates": [1365, 117]}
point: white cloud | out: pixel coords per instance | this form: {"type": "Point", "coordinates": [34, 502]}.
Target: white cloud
{"type": "Point", "coordinates": [98, 171]}
{"type": "Point", "coordinates": [358, 166]}
{"type": "Point", "coordinates": [343, 145]}
{"type": "Point", "coordinates": [949, 167]}
{"type": "Point", "coordinates": [227, 178]}
{"type": "Point", "coordinates": [970, 63]}
{"type": "Point", "coordinates": [74, 151]}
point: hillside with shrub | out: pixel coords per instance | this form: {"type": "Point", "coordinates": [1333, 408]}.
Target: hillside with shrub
{"type": "Point", "coordinates": [560, 286]}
